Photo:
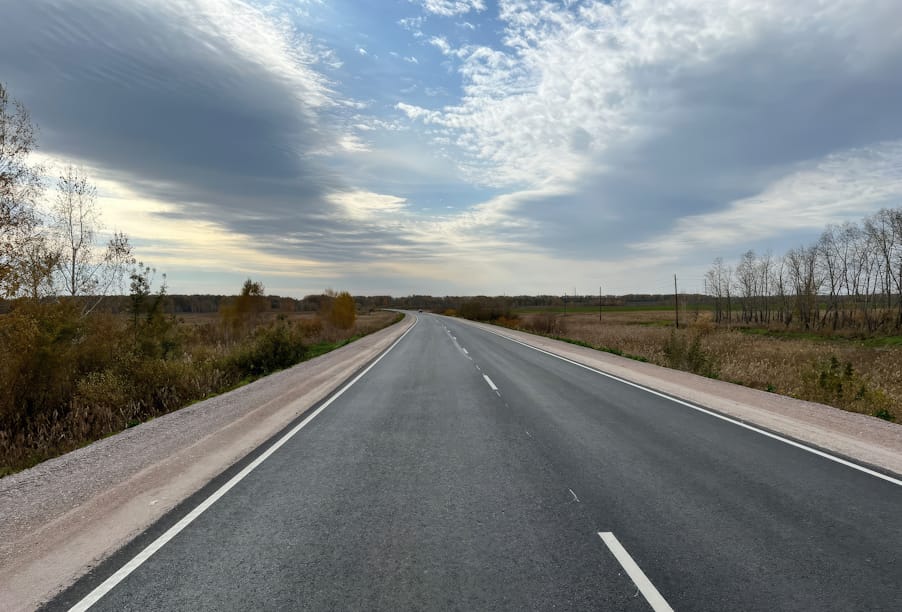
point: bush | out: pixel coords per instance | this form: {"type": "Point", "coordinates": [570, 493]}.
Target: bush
{"type": "Point", "coordinates": [681, 353]}
{"type": "Point", "coordinates": [486, 309]}
{"type": "Point", "coordinates": [272, 349]}
{"type": "Point", "coordinates": [344, 311]}
{"type": "Point", "coordinates": [543, 323]}
{"type": "Point", "coordinates": [838, 384]}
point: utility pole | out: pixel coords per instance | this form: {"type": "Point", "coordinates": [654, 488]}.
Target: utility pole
{"type": "Point", "coordinates": [599, 303]}
{"type": "Point", "coordinates": [676, 302]}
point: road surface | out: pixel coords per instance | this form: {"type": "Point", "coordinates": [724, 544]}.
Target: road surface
{"type": "Point", "coordinates": [466, 471]}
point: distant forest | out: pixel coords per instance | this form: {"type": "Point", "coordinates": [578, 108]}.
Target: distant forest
{"type": "Point", "coordinates": [198, 304]}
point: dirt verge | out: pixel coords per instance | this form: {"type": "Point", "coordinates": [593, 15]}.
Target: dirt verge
{"type": "Point", "coordinates": [64, 516]}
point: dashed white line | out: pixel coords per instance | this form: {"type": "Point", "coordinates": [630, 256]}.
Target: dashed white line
{"type": "Point", "coordinates": [465, 351]}
{"type": "Point", "coordinates": [575, 498]}
{"type": "Point", "coordinates": [489, 381]}
{"type": "Point", "coordinates": [648, 590]}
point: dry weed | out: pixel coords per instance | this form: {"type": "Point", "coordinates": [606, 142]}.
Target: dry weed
{"type": "Point", "coordinates": [781, 365]}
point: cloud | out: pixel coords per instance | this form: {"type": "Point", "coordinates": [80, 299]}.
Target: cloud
{"type": "Point", "coordinates": [417, 112]}
{"type": "Point", "coordinates": [572, 137]}
{"type": "Point", "coordinates": [645, 112]}
{"type": "Point", "coordinates": [850, 183]}
{"type": "Point", "coordinates": [218, 107]}
{"type": "Point", "coordinates": [441, 43]}
{"type": "Point", "coordinates": [450, 8]}
{"type": "Point", "coordinates": [368, 205]}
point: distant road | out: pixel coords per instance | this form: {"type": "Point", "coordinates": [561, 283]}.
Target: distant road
{"type": "Point", "coordinates": [466, 471]}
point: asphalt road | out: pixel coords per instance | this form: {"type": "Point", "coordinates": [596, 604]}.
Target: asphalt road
{"type": "Point", "coordinates": [465, 471]}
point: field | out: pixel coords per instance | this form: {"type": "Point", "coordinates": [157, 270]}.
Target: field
{"type": "Point", "coordinates": [858, 374]}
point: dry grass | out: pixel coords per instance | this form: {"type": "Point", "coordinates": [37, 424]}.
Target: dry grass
{"type": "Point", "coordinates": [797, 367]}
{"type": "Point", "coordinates": [66, 380]}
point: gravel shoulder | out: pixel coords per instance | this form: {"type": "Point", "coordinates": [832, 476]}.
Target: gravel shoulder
{"type": "Point", "coordinates": [64, 516]}
{"type": "Point", "coordinates": [867, 440]}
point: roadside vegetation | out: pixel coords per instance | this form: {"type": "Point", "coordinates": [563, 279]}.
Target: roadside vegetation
{"type": "Point", "coordinates": [853, 373]}
{"type": "Point", "coordinates": [822, 323]}
{"type": "Point", "coordinates": [78, 364]}
{"type": "Point", "coordinates": [67, 378]}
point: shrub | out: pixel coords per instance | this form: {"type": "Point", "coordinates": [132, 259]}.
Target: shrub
{"type": "Point", "coordinates": [273, 348]}
{"type": "Point", "coordinates": [682, 353]}
{"type": "Point", "coordinates": [542, 323]}
{"type": "Point", "coordinates": [344, 311]}
{"type": "Point", "coordinates": [484, 308]}
{"type": "Point", "coordinates": [833, 382]}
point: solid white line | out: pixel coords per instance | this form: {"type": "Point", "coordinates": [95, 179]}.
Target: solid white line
{"type": "Point", "coordinates": [722, 417]}
{"type": "Point", "coordinates": [110, 583]}
{"type": "Point", "coordinates": [491, 384]}
{"type": "Point", "coordinates": [648, 590]}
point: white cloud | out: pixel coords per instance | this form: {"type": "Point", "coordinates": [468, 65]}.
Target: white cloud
{"type": "Point", "coordinates": [573, 82]}
{"type": "Point", "coordinates": [365, 205]}
{"type": "Point", "coordinates": [441, 43]}
{"type": "Point", "coordinates": [848, 184]}
{"type": "Point", "coordinates": [449, 8]}
{"type": "Point", "coordinates": [417, 112]}
{"type": "Point", "coordinates": [414, 25]}
{"type": "Point", "coordinates": [266, 37]}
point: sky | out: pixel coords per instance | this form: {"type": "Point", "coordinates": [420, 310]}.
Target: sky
{"type": "Point", "coordinates": [460, 147]}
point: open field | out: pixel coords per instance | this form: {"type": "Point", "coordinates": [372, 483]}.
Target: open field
{"type": "Point", "coordinates": [862, 375]}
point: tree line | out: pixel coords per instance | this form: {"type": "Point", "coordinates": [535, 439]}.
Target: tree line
{"type": "Point", "coordinates": [850, 278]}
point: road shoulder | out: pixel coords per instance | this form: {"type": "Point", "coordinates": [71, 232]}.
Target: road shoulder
{"type": "Point", "coordinates": [66, 515]}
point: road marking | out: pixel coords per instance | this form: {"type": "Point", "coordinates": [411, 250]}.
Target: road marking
{"type": "Point", "coordinates": [722, 417]}
{"type": "Point", "coordinates": [575, 498]}
{"type": "Point", "coordinates": [491, 384]}
{"type": "Point", "coordinates": [465, 351]}
{"type": "Point", "coordinates": [110, 583]}
{"type": "Point", "coordinates": [648, 590]}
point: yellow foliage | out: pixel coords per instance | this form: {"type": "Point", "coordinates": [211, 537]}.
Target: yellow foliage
{"type": "Point", "coordinates": [344, 311]}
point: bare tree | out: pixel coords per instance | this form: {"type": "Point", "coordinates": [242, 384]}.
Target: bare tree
{"type": "Point", "coordinates": [763, 270]}
{"type": "Point", "coordinates": [76, 221]}
{"type": "Point", "coordinates": [20, 186]}
{"type": "Point", "coordinates": [780, 284]}
{"type": "Point", "coordinates": [747, 284]}
{"type": "Point", "coordinates": [719, 280]}
{"type": "Point", "coordinates": [829, 261]}
{"type": "Point", "coordinates": [803, 274]}
{"type": "Point", "coordinates": [84, 268]}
